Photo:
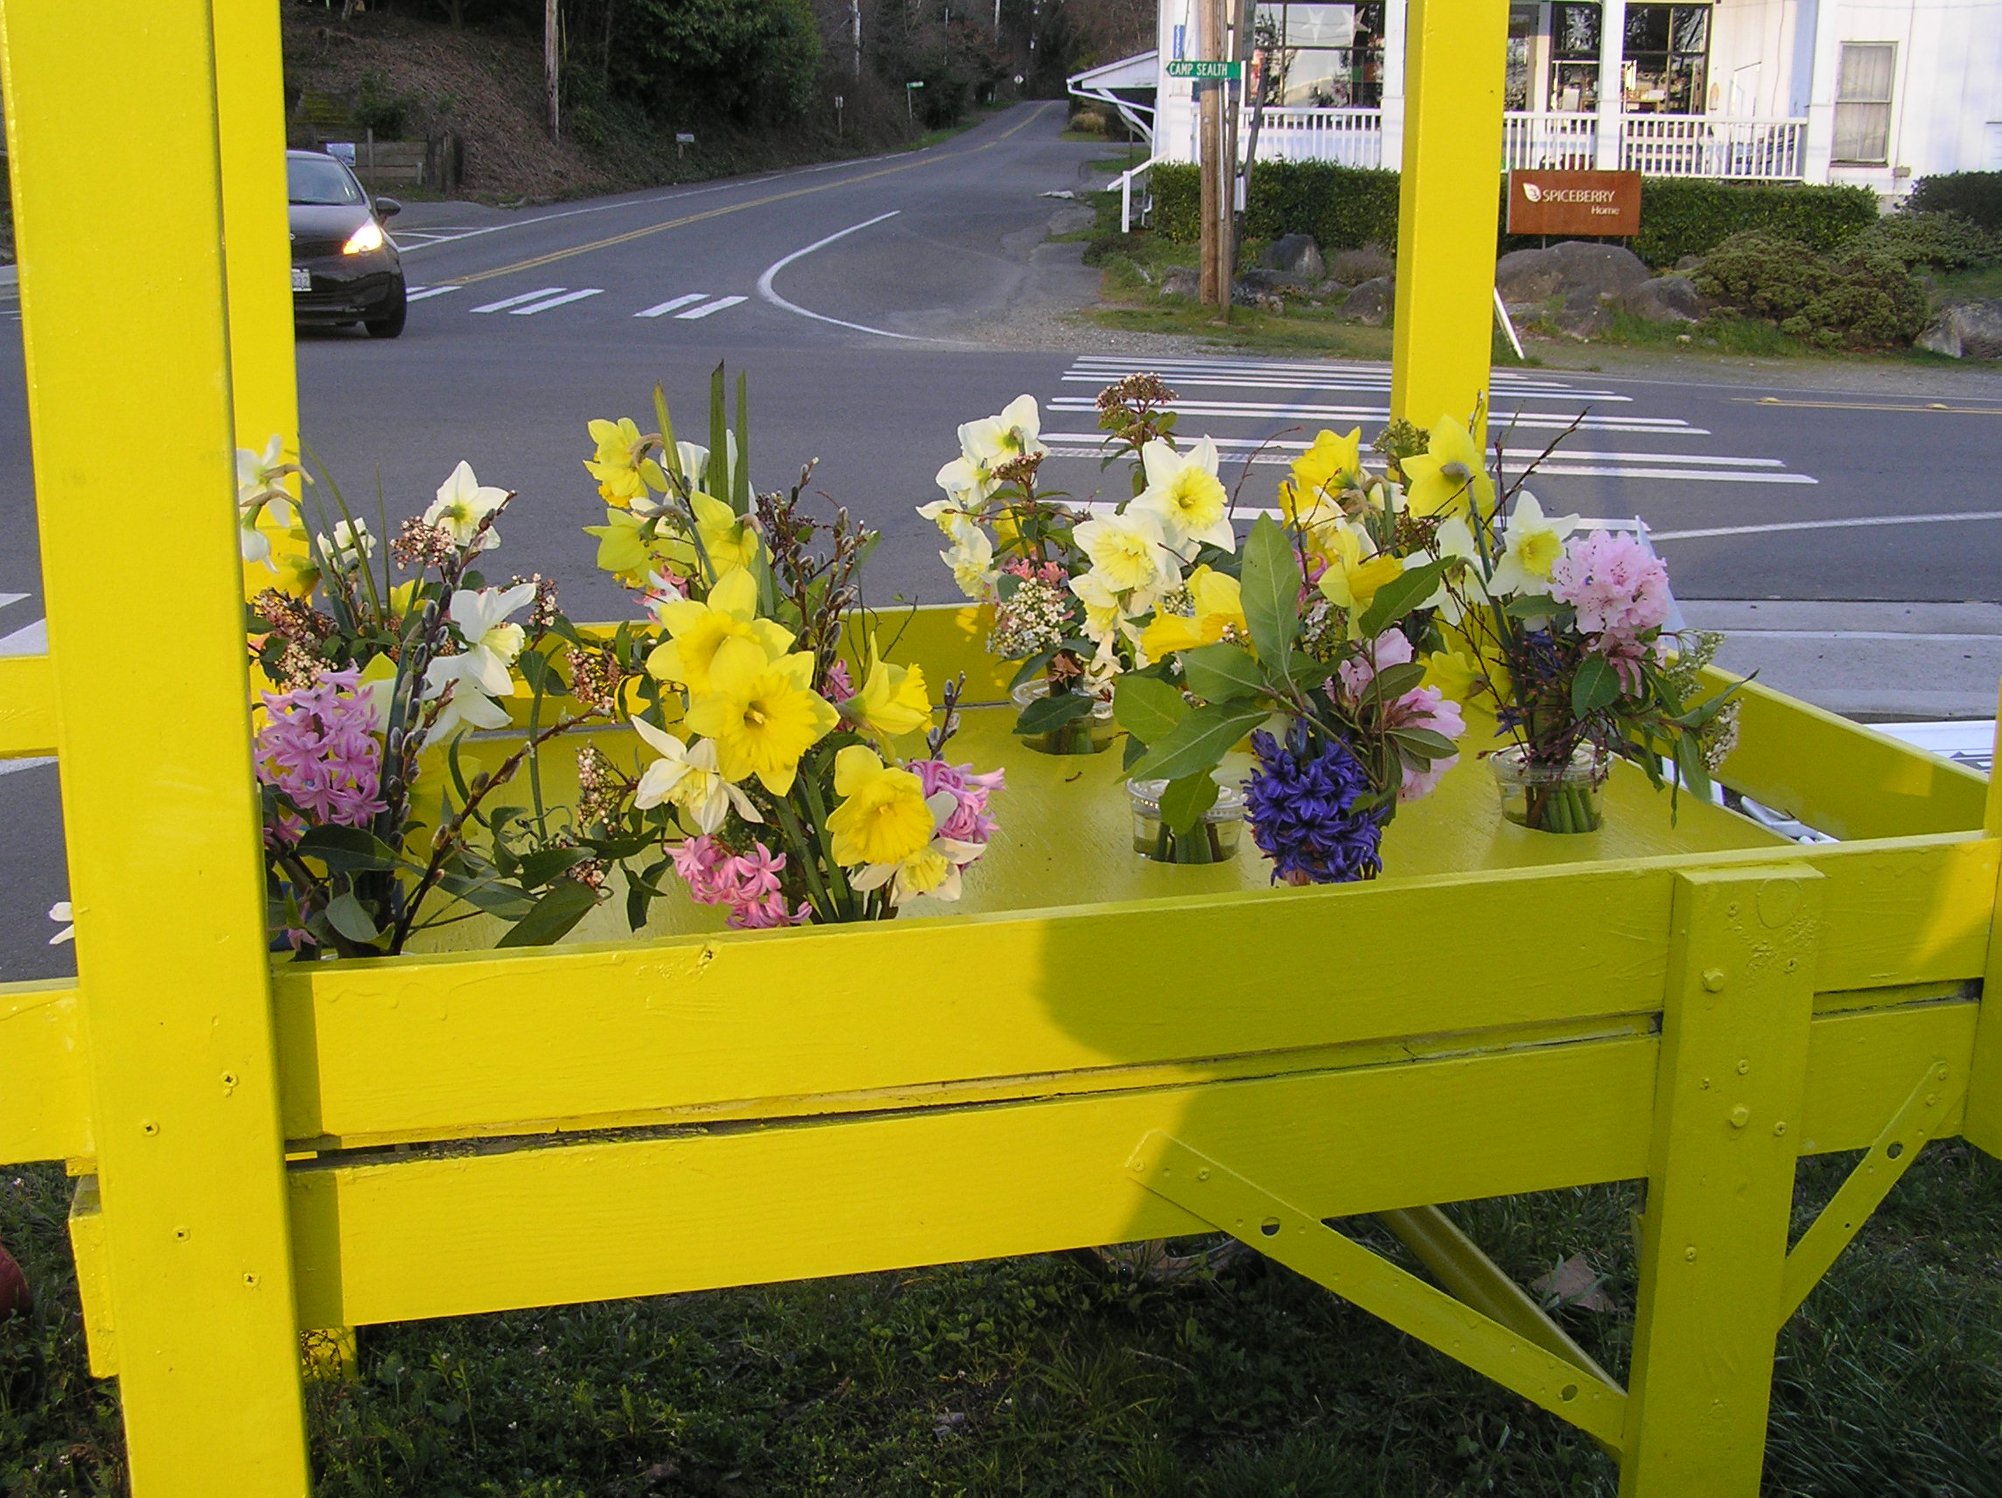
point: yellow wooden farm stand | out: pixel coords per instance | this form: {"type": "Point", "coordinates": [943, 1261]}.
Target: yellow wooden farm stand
{"type": "Point", "coordinates": [1695, 1009]}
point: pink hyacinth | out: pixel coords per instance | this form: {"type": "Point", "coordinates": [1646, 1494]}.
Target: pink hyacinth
{"type": "Point", "coordinates": [1613, 582]}
{"type": "Point", "coordinates": [318, 746]}
{"type": "Point", "coordinates": [1427, 707]}
{"type": "Point", "coordinates": [968, 821]}
{"type": "Point", "coordinates": [746, 882]}
{"type": "Point", "coordinates": [839, 685]}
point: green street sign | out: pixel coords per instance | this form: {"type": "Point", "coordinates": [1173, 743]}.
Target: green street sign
{"type": "Point", "coordinates": [1193, 68]}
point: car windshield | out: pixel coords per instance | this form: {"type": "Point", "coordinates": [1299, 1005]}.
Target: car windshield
{"type": "Point", "coordinates": [324, 180]}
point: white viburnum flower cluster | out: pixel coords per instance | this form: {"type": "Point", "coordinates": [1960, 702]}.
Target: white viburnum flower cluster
{"type": "Point", "coordinates": [1034, 618]}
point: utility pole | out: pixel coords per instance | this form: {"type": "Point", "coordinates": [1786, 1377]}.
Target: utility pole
{"type": "Point", "coordinates": [855, 22]}
{"type": "Point", "coordinates": [1213, 285]}
{"type": "Point", "coordinates": [549, 69]}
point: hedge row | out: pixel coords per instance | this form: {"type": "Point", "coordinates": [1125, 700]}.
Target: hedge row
{"type": "Point", "coordinates": [1972, 195]}
{"type": "Point", "coordinates": [1345, 208]}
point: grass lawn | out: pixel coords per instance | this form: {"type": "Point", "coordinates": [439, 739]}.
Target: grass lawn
{"type": "Point", "coordinates": [1051, 1376]}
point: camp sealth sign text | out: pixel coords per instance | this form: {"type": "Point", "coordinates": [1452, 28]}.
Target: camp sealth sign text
{"type": "Point", "coordinates": [1572, 203]}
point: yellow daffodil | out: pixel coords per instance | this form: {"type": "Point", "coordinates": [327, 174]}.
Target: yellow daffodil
{"type": "Point", "coordinates": [1323, 471]}
{"type": "Point", "coordinates": [729, 540]}
{"type": "Point", "coordinates": [298, 575]}
{"type": "Point", "coordinates": [1353, 573]}
{"type": "Point", "coordinates": [762, 712]}
{"type": "Point", "coordinates": [697, 630]}
{"type": "Point", "coordinates": [1129, 552]}
{"type": "Point", "coordinates": [1184, 494]}
{"type": "Point", "coordinates": [1532, 544]}
{"type": "Point", "coordinates": [1454, 672]}
{"type": "Point", "coordinates": [892, 700]}
{"type": "Point", "coordinates": [1219, 607]}
{"type": "Point", "coordinates": [632, 556]}
{"type": "Point", "coordinates": [620, 464]}
{"type": "Point", "coordinates": [1449, 474]}
{"type": "Point", "coordinates": [883, 818]}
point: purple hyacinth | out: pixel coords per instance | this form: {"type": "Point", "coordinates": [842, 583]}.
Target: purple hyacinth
{"type": "Point", "coordinates": [319, 746]}
{"type": "Point", "coordinates": [1301, 804]}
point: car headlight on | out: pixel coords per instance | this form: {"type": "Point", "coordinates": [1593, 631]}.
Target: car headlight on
{"type": "Point", "coordinates": [368, 237]}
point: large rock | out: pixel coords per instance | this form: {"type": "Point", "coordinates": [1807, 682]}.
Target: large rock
{"type": "Point", "coordinates": [1371, 302]}
{"type": "Point", "coordinates": [1529, 277]}
{"type": "Point", "coordinates": [1668, 299]}
{"type": "Point", "coordinates": [1295, 255]}
{"type": "Point", "coordinates": [1354, 266]}
{"type": "Point", "coordinates": [1965, 330]}
{"type": "Point", "coordinates": [1181, 280]}
{"type": "Point", "coordinates": [1583, 316]}
{"type": "Point", "coordinates": [1264, 278]}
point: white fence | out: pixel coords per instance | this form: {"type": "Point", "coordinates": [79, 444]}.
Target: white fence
{"type": "Point", "coordinates": [1668, 145]}
{"type": "Point", "coordinates": [1656, 145]}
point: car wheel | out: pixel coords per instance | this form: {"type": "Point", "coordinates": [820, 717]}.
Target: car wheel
{"type": "Point", "coordinates": [391, 322]}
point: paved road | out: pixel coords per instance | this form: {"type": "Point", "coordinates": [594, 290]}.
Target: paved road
{"type": "Point", "coordinates": [865, 300]}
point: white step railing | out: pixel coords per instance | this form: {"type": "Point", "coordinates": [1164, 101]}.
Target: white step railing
{"type": "Point", "coordinates": [1348, 137]}
{"type": "Point", "coordinates": [1547, 140]}
{"type": "Point", "coordinates": [1668, 145]}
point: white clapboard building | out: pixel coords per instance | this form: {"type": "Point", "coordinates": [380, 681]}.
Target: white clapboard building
{"type": "Point", "coordinates": [1876, 92]}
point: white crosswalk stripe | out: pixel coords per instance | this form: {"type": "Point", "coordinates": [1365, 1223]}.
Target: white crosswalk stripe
{"type": "Point", "coordinates": [555, 301]}
{"type": "Point", "coordinates": [425, 293]}
{"type": "Point", "coordinates": [515, 301]}
{"type": "Point", "coordinates": [703, 311]}
{"type": "Point", "coordinates": [672, 304]}
{"type": "Point", "coordinates": [1224, 397]}
{"type": "Point", "coordinates": [24, 639]}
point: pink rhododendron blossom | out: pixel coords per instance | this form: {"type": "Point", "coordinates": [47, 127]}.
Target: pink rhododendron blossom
{"type": "Point", "coordinates": [1427, 707]}
{"type": "Point", "coordinates": [1613, 582]}
{"type": "Point", "coordinates": [318, 747]}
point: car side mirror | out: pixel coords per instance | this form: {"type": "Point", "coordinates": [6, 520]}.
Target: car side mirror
{"type": "Point", "coordinates": [385, 207]}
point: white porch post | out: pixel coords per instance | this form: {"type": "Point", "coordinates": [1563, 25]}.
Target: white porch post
{"type": "Point", "coordinates": [1820, 144]}
{"type": "Point", "coordinates": [1394, 16]}
{"type": "Point", "coordinates": [1612, 46]}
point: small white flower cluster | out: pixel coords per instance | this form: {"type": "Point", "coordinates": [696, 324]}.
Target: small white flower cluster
{"type": "Point", "coordinates": [1034, 618]}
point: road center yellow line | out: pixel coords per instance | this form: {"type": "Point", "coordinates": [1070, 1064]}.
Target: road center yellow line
{"type": "Point", "coordinates": [1931, 408]}
{"type": "Point", "coordinates": [695, 218]}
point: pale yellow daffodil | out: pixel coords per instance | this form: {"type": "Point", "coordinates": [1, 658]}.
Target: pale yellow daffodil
{"type": "Point", "coordinates": [1307, 496]}
{"type": "Point", "coordinates": [1355, 571]}
{"type": "Point", "coordinates": [892, 700]}
{"type": "Point", "coordinates": [621, 465]}
{"type": "Point", "coordinates": [762, 712]}
{"type": "Point", "coordinates": [1532, 544]}
{"type": "Point", "coordinates": [1129, 552]}
{"type": "Point", "coordinates": [697, 630]}
{"type": "Point", "coordinates": [883, 818]}
{"type": "Point", "coordinates": [1185, 495]}
{"type": "Point", "coordinates": [1449, 475]}
{"type": "Point", "coordinates": [1219, 610]}
{"type": "Point", "coordinates": [729, 541]}
{"type": "Point", "coordinates": [632, 556]}
{"type": "Point", "coordinates": [463, 505]}
{"type": "Point", "coordinates": [1454, 672]}
{"type": "Point", "coordinates": [686, 777]}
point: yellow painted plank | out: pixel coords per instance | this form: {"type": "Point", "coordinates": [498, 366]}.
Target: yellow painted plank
{"type": "Point", "coordinates": [45, 1094]}
{"type": "Point", "coordinates": [1303, 1243]}
{"type": "Point", "coordinates": [27, 707]}
{"type": "Point", "coordinates": [161, 823]}
{"type": "Point", "coordinates": [1727, 1112]}
{"type": "Point", "coordinates": [1447, 202]}
{"type": "Point", "coordinates": [93, 1277]}
{"type": "Point", "coordinates": [1845, 778]}
{"type": "Point", "coordinates": [442, 1045]}
{"type": "Point", "coordinates": [396, 1237]}
{"type": "Point", "coordinates": [1984, 1103]}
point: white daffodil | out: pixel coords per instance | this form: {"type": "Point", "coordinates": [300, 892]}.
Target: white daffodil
{"type": "Point", "coordinates": [1103, 613]}
{"type": "Point", "coordinates": [950, 516]}
{"type": "Point", "coordinates": [1532, 544]}
{"type": "Point", "coordinates": [1453, 541]}
{"type": "Point", "coordinates": [260, 488]}
{"type": "Point", "coordinates": [1185, 495]}
{"type": "Point", "coordinates": [686, 777]}
{"type": "Point", "coordinates": [348, 547]}
{"type": "Point", "coordinates": [483, 670]}
{"type": "Point", "coordinates": [1130, 552]}
{"type": "Point", "coordinates": [972, 562]}
{"type": "Point", "coordinates": [462, 503]}
{"type": "Point", "coordinates": [60, 911]}
{"type": "Point", "coordinates": [986, 445]}
{"type": "Point", "coordinates": [694, 459]}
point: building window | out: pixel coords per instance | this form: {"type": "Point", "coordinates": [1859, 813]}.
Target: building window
{"type": "Point", "coordinates": [1319, 56]}
{"type": "Point", "coordinates": [1574, 57]}
{"type": "Point", "coordinates": [1863, 103]}
{"type": "Point", "coordinates": [1522, 28]}
{"type": "Point", "coordinates": [1665, 57]}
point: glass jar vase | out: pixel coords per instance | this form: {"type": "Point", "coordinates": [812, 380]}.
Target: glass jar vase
{"type": "Point", "coordinates": [1089, 733]}
{"type": "Point", "coordinates": [1550, 797]}
{"type": "Point", "coordinates": [1213, 839]}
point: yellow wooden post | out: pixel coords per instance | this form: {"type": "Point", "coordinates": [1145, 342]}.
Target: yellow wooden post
{"type": "Point", "coordinates": [1447, 205]}
{"type": "Point", "coordinates": [1727, 1114]}
{"type": "Point", "coordinates": [1983, 1128]}
{"type": "Point", "coordinates": [250, 122]}
{"type": "Point", "coordinates": [129, 394]}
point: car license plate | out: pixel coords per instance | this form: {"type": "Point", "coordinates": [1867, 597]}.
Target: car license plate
{"type": "Point", "coordinates": [302, 279]}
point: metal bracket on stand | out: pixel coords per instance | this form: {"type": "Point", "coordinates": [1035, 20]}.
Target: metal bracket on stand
{"type": "Point", "coordinates": [1300, 1241]}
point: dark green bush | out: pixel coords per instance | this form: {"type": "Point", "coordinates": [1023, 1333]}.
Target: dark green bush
{"type": "Point", "coordinates": [1938, 241]}
{"type": "Point", "coordinates": [1972, 195]}
{"type": "Point", "coordinates": [380, 108]}
{"type": "Point", "coordinates": [1857, 298]}
{"type": "Point", "coordinates": [1347, 207]}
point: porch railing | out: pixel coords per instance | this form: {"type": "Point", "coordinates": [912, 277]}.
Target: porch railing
{"type": "Point", "coordinates": [1656, 145]}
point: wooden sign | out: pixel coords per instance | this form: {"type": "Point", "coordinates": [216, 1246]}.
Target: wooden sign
{"type": "Point", "coordinates": [1572, 203]}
